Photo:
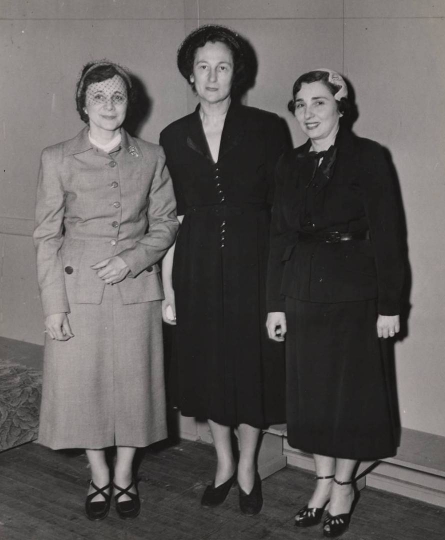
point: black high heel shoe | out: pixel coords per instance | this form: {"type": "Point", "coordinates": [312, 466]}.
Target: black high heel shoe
{"type": "Point", "coordinates": [308, 517]}
{"type": "Point", "coordinates": [340, 523]}
{"type": "Point", "coordinates": [98, 510]}
{"type": "Point", "coordinates": [127, 509]}
{"type": "Point", "coordinates": [214, 496]}
{"type": "Point", "coordinates": [251, 503]}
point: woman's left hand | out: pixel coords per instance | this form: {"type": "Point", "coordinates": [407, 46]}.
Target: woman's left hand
{"type": "Point", "coordinates": [112, 270]}
{"type": "Point", "coordinates": [388, 325]}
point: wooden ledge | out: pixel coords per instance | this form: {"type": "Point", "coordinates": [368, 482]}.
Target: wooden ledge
{"type": "Point", "coordinates": [418, 470]}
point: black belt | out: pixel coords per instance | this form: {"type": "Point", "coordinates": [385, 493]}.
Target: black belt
{"type": "Point", "coordinates": [224, 210]}
{"type": "Point", "coordinates": [333, 237]}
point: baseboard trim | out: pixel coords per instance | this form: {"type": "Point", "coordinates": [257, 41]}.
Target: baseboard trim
{"type": "Point", "coordinates": [407, 489]}
{"type": "Point", "coordinates": [417, 472]}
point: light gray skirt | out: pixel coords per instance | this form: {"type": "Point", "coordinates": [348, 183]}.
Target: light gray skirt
{"type": "Point", "coordinates": [105, 386]}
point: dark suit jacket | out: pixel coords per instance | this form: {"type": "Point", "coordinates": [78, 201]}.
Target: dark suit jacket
{"type": "Point", "coordinates": [354, 192]}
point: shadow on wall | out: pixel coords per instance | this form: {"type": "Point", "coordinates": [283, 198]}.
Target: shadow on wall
{"type": "Point", "coordinates": [142, 108]}
{"type": "Point", "coordinates": [389, 350]}
{"type": "Point", "coordinates": [251, 64]}
{"type": "Point", "coordinates": [405, 303]}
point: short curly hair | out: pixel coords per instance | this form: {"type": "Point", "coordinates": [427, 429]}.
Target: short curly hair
{"type": "Point", "coordinates": [99, 71]}
{"type": "Point", "coordinates": [343, 105]}
{"type": "Point", "coordinates": [214, 33]}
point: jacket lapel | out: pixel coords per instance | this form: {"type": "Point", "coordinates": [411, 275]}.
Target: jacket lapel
{"type": "Point", "coordinates": [302, 171]}
{"type": "Point", "coordinates": [196, 139]}
{"type": "Point", "coordinates": [80, 143]}
{"type": "Point", "coordinates": [346, 161]}
{"type": "Point", "coordinates": [130, 144]}
{"type": "Point", "coordinates": [304, 168]}
{"type": "Point", "coordinates": [232, 135]}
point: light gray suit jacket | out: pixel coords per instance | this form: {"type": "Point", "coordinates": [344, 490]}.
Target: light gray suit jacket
{"type": "Point", "coordinates": [92, 205]}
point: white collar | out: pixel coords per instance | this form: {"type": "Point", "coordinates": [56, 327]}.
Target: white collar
{"type": "Point", "coordinates": [106, 147]}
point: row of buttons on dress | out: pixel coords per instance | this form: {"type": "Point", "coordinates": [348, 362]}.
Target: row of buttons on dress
{"type": "Point", "coordinates": [221, 200]}
{"type": "Point", "coordinates": [69, 269]}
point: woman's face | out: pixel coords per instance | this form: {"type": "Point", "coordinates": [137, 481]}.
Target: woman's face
{"type": "Point", "coordinates": [316, 111]}
{"type": "Point", "coordinates": [106, 104]}
{"type": "Point", "coordinates": [213, 72]}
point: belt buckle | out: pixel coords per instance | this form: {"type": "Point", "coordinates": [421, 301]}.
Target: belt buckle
{"type": "Point", "coordinates": [334, 238]}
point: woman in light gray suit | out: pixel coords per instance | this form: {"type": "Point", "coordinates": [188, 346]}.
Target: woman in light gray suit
{"type": "Point", "coordinates": [105, 215]}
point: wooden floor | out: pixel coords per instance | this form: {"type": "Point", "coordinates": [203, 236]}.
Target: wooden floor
{"type": "Point", "coordinates": [42, 495]}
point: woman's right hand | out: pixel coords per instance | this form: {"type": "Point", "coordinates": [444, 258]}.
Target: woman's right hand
{"type": "Point", "coordinates": [58, 327]}
{"type": "Point", "coordinates": [169, 308]}
{"type": "Point", "coordinates": [276, 325]}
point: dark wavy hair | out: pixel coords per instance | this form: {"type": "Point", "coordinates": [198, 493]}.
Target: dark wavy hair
{"type": "Point", "coordinates": [343, 105]}
{"type": "Point", "coordinates": [213, 33]}
{"type": "Point", "coordinates": [99, 71]}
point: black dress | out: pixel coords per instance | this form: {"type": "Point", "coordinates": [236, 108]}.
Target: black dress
{"type": "Point", "coordinates": [338, 393]}
{"type": "Point", "coordinates": [224, 367]}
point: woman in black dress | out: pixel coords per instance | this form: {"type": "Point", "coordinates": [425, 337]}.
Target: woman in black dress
{"type": "Point", "coordinates": [334, 283]}
{"type": "Point", "coordinates": [222, 158]}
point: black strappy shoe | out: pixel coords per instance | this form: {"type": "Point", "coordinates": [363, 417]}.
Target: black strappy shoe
{"type": "Point", "coordinates": [127, 509]}
{"type": "Point", "coordinates": [308, 517]}
{"type": "Point", "coordinates": [98, 510]}
{"type": "Point", "coordinates": [340, 523]}
{"type": "Point", "coordinates": [214, 496]}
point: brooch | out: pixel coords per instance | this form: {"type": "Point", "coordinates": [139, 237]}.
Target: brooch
{"type": "Point", "coordinates": [133, 151]}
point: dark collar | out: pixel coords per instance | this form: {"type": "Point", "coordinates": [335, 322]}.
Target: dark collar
{"type": "Point", "coordinates": [232, 135]}
{"type": "Point", "coordinates": [344, 142]}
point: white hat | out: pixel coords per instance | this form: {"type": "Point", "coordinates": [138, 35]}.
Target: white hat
{"type": "Point", "coordinates": [337, 80]}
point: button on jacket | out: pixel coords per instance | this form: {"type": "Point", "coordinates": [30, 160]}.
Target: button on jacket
{"type": "Point", "coordinates": [91, 206]}
{"type": "Point", "coordinates": [354, 191]}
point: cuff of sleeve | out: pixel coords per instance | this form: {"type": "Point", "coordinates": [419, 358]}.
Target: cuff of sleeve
{"type": "Point", "coordinates": [136, 261]}
{"type": "Point", "coordinates": [276, 305]}
{"type": "Point", "coordinates": [55, 302]}
{"type": "Point", "coordinates": [388, 308]}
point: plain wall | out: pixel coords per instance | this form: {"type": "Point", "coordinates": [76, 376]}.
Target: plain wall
{"type": "Point", "coordinates": [390, 50]}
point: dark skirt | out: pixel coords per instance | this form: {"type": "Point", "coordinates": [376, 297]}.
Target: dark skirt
{"type": "Point", "coordinates": [224, 366]}
{"type": "Point", "coordinates": [338, 392]}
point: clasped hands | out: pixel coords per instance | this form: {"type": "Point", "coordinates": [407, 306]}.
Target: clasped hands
{"type": "Point", "coordinates": [387, 325]}
{"type": "Point", "coordinates": [110, 271]}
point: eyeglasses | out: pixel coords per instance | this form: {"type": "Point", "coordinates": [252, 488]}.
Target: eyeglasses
{"type": "Point", "coordinates": [101, 99]}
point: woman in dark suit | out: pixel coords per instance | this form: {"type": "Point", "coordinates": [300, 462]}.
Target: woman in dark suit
{"type": "Point", "coordinates": [221, 158]}
{"type": "Point", "coordinates": [334, 284]}
{"type": "Point", "coordinates": [105, 215]}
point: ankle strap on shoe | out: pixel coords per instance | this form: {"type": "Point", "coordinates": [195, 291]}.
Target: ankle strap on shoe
{"type": "Point", "coordinates": [124, 491]}
{"type": "Point", "coordinates": [325, 477]}
{"type": "Point", "coordinates": [343, 483]}
{"type": "Point", "coordinates": [99, 491]}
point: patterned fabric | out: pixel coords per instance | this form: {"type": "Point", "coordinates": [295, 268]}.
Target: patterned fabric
{"type": "Point", "coordinates": [20, 394]}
